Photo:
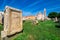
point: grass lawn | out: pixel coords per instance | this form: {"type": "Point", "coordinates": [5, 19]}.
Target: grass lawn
{"type": "Point", "coordinates": [1, 28]}
{"type": "Point", "coordinates": [43, 31]}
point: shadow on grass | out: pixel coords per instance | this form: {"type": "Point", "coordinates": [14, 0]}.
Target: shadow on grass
{"type": "Point", "coordinates": [57, 24]}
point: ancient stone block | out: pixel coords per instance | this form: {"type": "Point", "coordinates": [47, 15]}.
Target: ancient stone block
{"type": "Point", "coordinates": [12, 20]}
{"type": "Point", "coordinates": [3, 34]}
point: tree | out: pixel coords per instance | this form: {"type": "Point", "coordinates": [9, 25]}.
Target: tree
{"type": "Point", "coordinates": [58, 15]}
{"type": "Point", "coordinates": [52, 15]}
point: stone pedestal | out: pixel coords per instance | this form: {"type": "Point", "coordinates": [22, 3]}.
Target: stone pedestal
{"type": "Point", "coordinates": [12, 22]}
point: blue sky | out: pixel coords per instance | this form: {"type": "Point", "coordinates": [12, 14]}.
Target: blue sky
{"type": "Point", "coordinates": [32, 7]}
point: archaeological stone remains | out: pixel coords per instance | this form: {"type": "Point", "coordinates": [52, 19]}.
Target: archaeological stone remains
{"type": "Point", "coordinates": [1, 17]}
{"type": "Point", "coordinates": [12, 21]}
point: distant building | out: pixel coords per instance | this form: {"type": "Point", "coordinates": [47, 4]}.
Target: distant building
{"type": "Point", "coordinates": [29, 18]}
{"type": "Point", "coordinates": [40, 16]}
{"type": "Point", "coordinates": [45, 17]}
{"type": "Point", "coordinates": [44, 13]}
{"type": "Point", "coordinates": [48, 18]}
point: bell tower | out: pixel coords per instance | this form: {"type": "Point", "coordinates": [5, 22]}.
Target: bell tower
{"type": "Point", "coordinates": [44, 13]}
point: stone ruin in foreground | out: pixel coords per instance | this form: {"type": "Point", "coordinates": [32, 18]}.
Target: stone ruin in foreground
{"type": "Point", "coordinates": [12, 21]}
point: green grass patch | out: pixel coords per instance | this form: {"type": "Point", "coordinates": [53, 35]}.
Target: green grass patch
{"type": "Point", "coordinates": [1, 28]}
{"type": "Point", "coordinates": [43, 31]}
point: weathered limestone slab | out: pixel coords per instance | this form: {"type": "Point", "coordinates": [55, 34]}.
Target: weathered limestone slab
{"type": "Point", "coordinates": [1, 16]}
{"type": "Point", "coordinates": [3, 35]}
{"type": "Point", "coordinates": [12, 20]}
